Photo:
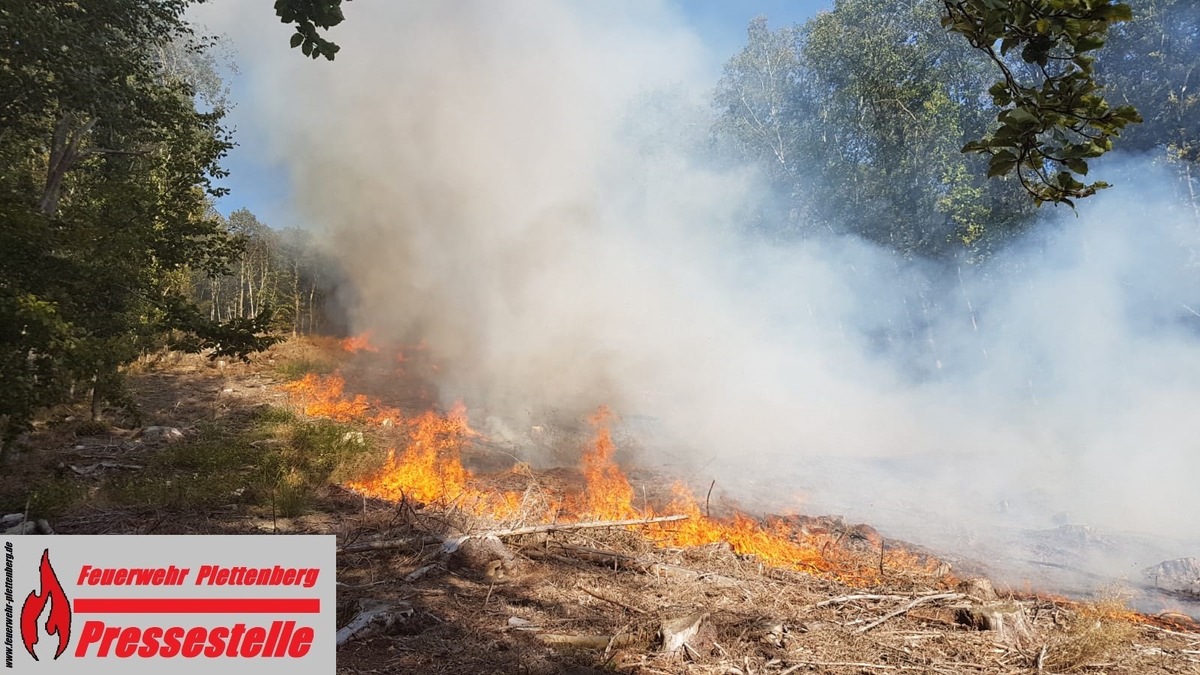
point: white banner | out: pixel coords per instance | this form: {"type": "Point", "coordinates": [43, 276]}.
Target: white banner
{"type": "Point", "coordinates": [126, 603]}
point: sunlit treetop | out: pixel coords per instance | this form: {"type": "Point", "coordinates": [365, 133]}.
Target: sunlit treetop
{"type": "Point", "coordinates": [1053, 117]}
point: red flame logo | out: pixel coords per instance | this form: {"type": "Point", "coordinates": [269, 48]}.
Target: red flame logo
{"type": "Point", "coordinates": [59, 621]}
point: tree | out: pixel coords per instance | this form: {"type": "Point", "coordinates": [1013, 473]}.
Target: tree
{"type": "Point", "coordinates": [1050, 123]}
{"type": "Point", "coordinates": [1052, 117]}
{"type": "Point", "coordinates": [857, 118]}
{"type": "Point", "coordinates": [1150, 64]}
{"type": "Point", "coordinates": [106, 174]}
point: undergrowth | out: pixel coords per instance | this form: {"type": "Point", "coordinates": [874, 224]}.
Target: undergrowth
{"type": "Point", "coordinates": [273, 460]}
{"type": "Point", "coordinates": [1091, 635]}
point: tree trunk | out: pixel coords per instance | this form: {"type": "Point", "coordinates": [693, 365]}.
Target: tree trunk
{"type": "Point", "coordinates": [64, 152]}
{"type": "Point", "coordinates": [241, 306]}
{"type": "Point", "coordinates": [1187, 168]}
{"type": "Point", "coordinates": [312, 314]}
{"type": "Point", "coordinates": [96, 397]}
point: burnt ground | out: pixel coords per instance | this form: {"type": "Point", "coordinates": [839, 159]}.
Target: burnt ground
{"type": "Point", "coordinates": [602, 600]}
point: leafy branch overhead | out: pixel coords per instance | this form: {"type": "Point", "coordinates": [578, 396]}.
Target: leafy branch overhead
{"type": "Point", "coordinates": [1052, 118]}
{"type": "Point", "coordinates": [308, 16]}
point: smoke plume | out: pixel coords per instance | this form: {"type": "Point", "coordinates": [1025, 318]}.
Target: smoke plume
{"type": "Point", "coordinates": [512, 183]}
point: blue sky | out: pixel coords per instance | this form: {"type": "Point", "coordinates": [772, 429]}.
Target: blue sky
{"type": "Point", "coordinates": [265, 189]}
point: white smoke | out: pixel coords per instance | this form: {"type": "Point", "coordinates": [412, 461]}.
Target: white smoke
{"type": "Point", "coordinates": [509, 182]}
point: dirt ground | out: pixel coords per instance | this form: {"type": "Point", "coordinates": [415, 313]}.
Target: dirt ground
{"type": "Point", "coordinates": [572, 601]}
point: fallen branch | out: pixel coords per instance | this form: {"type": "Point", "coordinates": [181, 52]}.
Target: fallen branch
{"type": "Point", "coordinates": [419, 572]}
{"type": "Point", "coordinates": [450, 544]}
{"type": "Point", "coordinates": [585, 641]}
{"type": "Point", "coordinates": [851, 598]}
{"type": "Point", "coordinates": [834, 664]}
{"type": "Point", "coordinates": [914, 603]}
{"type": "Point", "coordinates": [390, 543]}
{"type": "Point", "coordinates": [372, 614]}
{"type": "Point", "coordinates": [597, 595]}
{"type": "Point", "coordinates": [564, 527]}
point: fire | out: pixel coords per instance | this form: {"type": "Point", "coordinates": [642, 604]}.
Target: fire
{"type": "Point", "coordinates": [609, 495]}
{"type": "Point", "coordinates": [359, 343]}
{"type": "Point", "coordinates": [321, 396]}
{"type": "Point", "coordinates": [428, 468]}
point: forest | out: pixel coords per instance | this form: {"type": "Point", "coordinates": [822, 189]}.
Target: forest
{"type": "Point", "coordinates": [937, 129]}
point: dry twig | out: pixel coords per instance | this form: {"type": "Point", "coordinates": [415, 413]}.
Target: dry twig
{"type": "Point", "coordinates": [906, 608]}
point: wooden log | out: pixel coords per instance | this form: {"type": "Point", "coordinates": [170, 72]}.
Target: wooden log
{"type": "Point", "coordinates": [373, 615]}
{"type": "Point", "coordinates": [449, 544]}
{"type": "Point", "coordinates": [585, 641]}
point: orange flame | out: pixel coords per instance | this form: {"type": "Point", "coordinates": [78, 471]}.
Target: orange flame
{"type": "Point", "coordinates": [321, 396]}
{"type": "Point", "coordinates": [358, 343]}
{"type": "Point", "coordinates": [429, 468]}
{"type": "Point", "coordinates": [608, 496]}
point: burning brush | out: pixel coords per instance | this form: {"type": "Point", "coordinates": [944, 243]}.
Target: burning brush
{"type": "Point", "coordinates": [428, 468]}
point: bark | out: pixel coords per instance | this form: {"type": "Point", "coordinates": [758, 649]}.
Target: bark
{"type": "Point", "coordinates": [64, 153]}
{"type": "Point", "coordinates": [96, 398]}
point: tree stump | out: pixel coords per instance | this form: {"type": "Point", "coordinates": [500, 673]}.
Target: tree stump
{"type": "Point", "coordinates": [1008, 621]}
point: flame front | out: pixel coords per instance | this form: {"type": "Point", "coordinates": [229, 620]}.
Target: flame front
{"type": "Point", "coordinates": [359, 343]}
{"type": "Point", "coordinates": [321, 396]}
{"type": "Point", "coordinates": [59, 620]}
{"type": "Point", "coordinates": [609, 495]}
{"type": "Point", "coordinates": [428, 468]}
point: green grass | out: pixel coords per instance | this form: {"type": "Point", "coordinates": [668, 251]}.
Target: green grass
{"type": "Point", "coordinates": [49, 496]}
{"type": "Point", "coordinates": [277, 461]}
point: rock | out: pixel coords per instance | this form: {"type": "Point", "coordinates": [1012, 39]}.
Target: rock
{"type": "Point", "coordinates": [11, 519]}
{"type": "Point", "coordinates": [355, 437]}
{"type": "Point", "coordinates": [167, 434]}
{"type": "Point", "coordinates": [27, 527]}
{"type": "Point", "coordinates": [1180, 576]}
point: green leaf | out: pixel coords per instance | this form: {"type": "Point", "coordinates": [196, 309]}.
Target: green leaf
{"type": "Point", "coordinates": [1078, 166]}
{"type": "Point", "coordinates": [1001, 163]}
{"type": "Point", "coordinates": [297, 38]}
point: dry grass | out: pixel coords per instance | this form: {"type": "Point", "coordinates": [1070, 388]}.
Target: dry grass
{"type": "Point", "coordinates": [1094, 635]}
{"type": "Point", "coordinates": [249, 465]}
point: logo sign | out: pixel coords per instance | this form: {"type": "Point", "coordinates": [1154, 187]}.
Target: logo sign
{"type": "Point", "coordinates": [129, 604]}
